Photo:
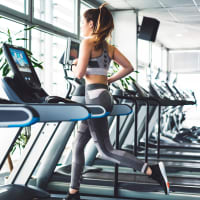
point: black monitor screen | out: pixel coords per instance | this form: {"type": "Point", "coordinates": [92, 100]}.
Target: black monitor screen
{"type": "Point", "coordinates": [21, 60]}
{"type": "Point", "coordinates": [72, 50]}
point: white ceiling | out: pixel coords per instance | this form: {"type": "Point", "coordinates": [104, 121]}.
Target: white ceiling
{"type": "Point", "coordinates": [179, 19]}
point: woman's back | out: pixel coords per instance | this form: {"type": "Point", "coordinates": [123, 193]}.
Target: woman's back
{"type": "Point", "coordinates": [99, 62]}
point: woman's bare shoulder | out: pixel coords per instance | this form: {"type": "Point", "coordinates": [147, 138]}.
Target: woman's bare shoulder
{"type": "Point", "coordinates": [89, 41]}
{"type": "Point", "coordinates": [111, 49]}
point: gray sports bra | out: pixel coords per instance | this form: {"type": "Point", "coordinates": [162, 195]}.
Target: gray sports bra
{"type": "Point", "coordinates": [99, 65]}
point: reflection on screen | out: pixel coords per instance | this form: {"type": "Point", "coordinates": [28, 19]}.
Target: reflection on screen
{"type": "Point", "coordinates": [21, 60]}
{"type": "Point", "coordinates": [74, 50]}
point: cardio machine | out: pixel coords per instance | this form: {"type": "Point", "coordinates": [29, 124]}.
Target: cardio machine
{"type": "Point", "coordinates": [20, 115]}
{"type": "Point", "coordinates": [56, 135]}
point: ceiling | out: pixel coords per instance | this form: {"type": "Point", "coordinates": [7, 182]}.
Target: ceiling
{"type": "Point", "coordinates": [179, 19]}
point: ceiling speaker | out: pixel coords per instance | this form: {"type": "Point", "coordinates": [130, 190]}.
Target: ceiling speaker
{"type": "Point", "coordinates": [148, 29]}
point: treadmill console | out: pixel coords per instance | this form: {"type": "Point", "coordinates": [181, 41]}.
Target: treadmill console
{"type": "Point", "coordinates": [72, 50]}
{"type": "Point", "coordinates": [21, 66]}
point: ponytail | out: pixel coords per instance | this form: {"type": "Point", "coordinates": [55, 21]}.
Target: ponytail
{"type": "Point", "coordinates": [102, 22]}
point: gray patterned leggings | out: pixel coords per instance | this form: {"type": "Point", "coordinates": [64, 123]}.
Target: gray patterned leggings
{"type": "Point", "coordinates": [99, 131]}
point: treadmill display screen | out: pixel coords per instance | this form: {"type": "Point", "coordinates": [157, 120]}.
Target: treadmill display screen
{"type": "Point", "coordinates": [74, 50]}
{"type": "Point", "coordinates": [21, 60]}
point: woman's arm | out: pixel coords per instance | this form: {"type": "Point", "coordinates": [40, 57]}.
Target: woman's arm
{"type": "Point", "coordinates": [120, 59]}
{"type": "Point", "coordinates": [83, 59]}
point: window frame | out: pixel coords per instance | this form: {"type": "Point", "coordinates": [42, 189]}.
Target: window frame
{"type": "Point", "coordinates": [28, 19]}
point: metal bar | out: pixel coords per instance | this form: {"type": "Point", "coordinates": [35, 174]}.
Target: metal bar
{"type": "Point", "coordinates": [116, 165]}
{"type": "Point", "coordinates": [93, 3]}
{"type": "Point", "coordinates": [158, 137]}
{"type": "Point", "coordinates": [78, 17]}
{"type": "Point", "coordinates": [30, 13]}
{"type": "Point", "coordinates": [147, 132]}
{"type": "Point", "coordinates": [13, 14]}
{"type": "Point", "coordinates": [135, 127]}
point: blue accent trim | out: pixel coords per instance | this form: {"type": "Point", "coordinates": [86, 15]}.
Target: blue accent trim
{"type": "Point", "coordinates": [33, 121]}
{"type": "Point", "coordinates": [96, 117]}
{"type": "Point", "coordinates": [89, 116]}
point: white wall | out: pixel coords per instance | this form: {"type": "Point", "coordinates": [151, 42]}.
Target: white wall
{"type": "Point", "coordinates": [124, 35]}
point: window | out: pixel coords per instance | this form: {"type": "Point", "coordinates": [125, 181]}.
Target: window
{"type": "Point", "coordinates": [48, 49]}
{"type": "Point", "coordinates": [19, 5]}
{"type": "Point", "coordinates": [14, 28]}
{"type": "Point", "coordinates": [184, 61]}
{"type": "Point", "coordinates": [156, 56]}
{"type": "Point", "coordinates": [59, 13]}
{"type": "Point", "coordinates": [84, 7]}
{"type": "Point", "coordinates": [164, 59]}
{"type": "Point", "coordinates": [51, 16]}
{"type": "Point", "coordinates": [143, 61]}
{"type": "Point", "coordinates": [16, 31]}
{"type": "Point", "coordinates": [143, 52]}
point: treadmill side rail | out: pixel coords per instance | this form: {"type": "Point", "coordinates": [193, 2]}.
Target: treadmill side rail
{"type": "Point", "coordinates": [61, 112]}
{"type": "Point", "coordinates": [12, 115]}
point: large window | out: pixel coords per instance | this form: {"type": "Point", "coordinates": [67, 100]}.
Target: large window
{"type": "Point", "coordinates": [151, 57]}
{"type": "Point", "coordinates": [164, 66]}
{"type": "Point", "coordinates": [184, 61]}
{"type": "Point", "coordinates": [156, 56]}
{"type": "Point", "coordinates": [15, 30]}
{"type": "Point", "coordinates": [83, 8]}
{"type": "Point", "coordinates": [19, 5]}
{"type": "Point", "coordinates": [48, 49]}
{"type": "Point", "coordinates": [143, 52]}
{"type": "Point", "coordinates": [56, 20]}
{"type": "Point", "coordinates": [59, 13]}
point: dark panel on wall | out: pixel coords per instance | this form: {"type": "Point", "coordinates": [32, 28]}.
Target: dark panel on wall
{"type": "Point", "coordinates": [149, 29]}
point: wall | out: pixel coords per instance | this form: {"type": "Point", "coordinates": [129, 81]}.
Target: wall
{"type": "Point", "coordinates": [124, 35]}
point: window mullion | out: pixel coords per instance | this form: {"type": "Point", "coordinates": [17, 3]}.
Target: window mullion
{"type": "Point", "coordinates": [77, 18]}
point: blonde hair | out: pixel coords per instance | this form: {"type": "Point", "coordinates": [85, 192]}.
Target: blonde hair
{"type": "Point", "coordinates": [102, 24]}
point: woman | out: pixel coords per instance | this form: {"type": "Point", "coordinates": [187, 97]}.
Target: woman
{"type": "Point", "coordinates": [93, 63]}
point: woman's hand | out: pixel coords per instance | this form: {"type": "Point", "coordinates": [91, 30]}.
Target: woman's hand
{"type": "Point", "coordinates": [75, 61]}
{"type": "Point", "coordinates": [73, 66]}
{"type": "Point", "coordinates": [109, 80]}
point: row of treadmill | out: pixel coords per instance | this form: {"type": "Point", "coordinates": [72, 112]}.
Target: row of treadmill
{"type": "Point", "coordinates": [146, 123]}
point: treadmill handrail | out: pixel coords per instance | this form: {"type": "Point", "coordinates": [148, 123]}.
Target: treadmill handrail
{"type": "Point", "coordinates": [16, 115]}
{"type": "Point", "coordinates": [61, 112]}
{"type": "Point", "coordinates": [121, 109]}
{"type": "Point", "coordinates": [153, 100]}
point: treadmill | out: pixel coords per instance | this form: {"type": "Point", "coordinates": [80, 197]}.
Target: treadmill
{"type": "Point", "coordinates": [130, 184]}
{"type": "Point", "coordinates": [180, 160]}
{"type": "Point", "coordinates": [52, 131]}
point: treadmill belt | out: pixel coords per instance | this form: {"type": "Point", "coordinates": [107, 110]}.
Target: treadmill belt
{"type": "Point", "coordinates": [61, 197]}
